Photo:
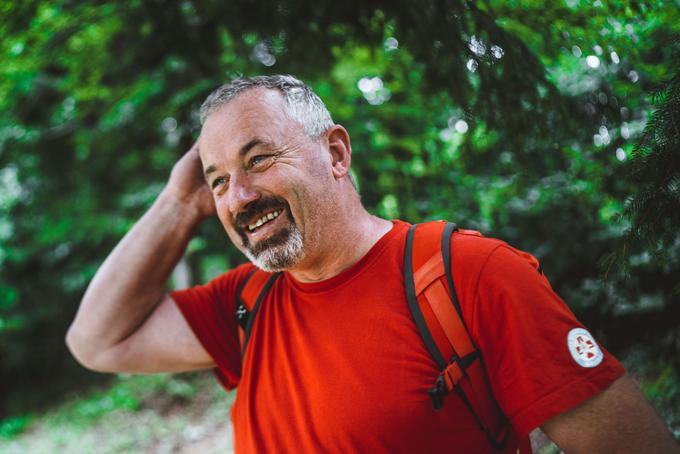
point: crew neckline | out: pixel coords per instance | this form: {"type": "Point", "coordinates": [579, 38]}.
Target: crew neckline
{"type": "Point", "coordinates": [348, 274]}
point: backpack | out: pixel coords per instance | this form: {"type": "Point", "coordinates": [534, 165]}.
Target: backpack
{"type": "Point", "coordinates": [432, 300]}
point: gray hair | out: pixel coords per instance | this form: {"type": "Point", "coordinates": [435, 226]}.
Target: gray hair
{"type": "Point", "coordinates": [302, 104]}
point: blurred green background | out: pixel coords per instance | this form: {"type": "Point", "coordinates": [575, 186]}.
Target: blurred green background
{"type": "Point", "coordinates": [552, 125]}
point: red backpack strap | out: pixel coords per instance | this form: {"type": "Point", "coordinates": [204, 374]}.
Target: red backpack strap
{"type": "Point", "coordinates": [252, 291]}
{"type": "Point", "coordinates": [433, 302]}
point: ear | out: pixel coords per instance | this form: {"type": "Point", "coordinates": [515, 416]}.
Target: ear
{"type": "Point", "coordinates": [340, 151]}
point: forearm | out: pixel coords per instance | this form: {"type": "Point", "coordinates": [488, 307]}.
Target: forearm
{"type": "Point", "coordinates": [133, 279]}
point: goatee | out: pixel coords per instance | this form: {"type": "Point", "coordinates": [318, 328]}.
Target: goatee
{"type": "Point", "coordinates": [279, 251]}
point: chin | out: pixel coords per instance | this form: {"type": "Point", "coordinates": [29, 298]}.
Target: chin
{"type": "Point", "coordinates": [281, 256]}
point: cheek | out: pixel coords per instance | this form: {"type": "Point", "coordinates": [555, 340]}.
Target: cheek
{"type": "Point", "coordinates": [234, 237]}
{"type": "Point", "coordinates": [221, 209]}
{"type": "Point", "coordinates": [224, 217]}
{"type": "Point", "coordinates": [307, 207]}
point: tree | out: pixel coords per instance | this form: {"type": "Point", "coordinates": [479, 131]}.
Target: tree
{"type": "Point", "coordinates": [515, 120]}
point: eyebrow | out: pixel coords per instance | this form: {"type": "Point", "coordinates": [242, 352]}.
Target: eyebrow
{"type": "Point", "coordinates": [252, 144]}
{"type": "Point", "coordinates": [241, 152]}
{"type": "Point", "coordinates": [208, 170]}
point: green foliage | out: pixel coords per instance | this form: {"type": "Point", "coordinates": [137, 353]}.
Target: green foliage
{"type": "Point", "coordinates": [665, 389]}
{"type": "Point", "coordinates": [515, 118]}
{"type": "Point", "coordinates": [660, 383]}
{"type": "Point", "coordinates": [135, 414]}
{"type": "Point", "coordinates": [13, 426]}
{"type": "Point", "coordinates": [654, 210]}
{"type": "Point", "coordinates": [128, 394]}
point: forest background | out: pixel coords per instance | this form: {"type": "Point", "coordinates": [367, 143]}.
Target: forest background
{"type": "Point", "coordinates": [554, 126]}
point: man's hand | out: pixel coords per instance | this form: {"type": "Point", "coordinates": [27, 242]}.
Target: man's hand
{"type": "Point", "coordinates": [126, 322]}
{"type": "Point", "coordinates": [187, 184]}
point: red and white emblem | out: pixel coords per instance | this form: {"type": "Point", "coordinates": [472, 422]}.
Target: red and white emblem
{"type": "Point", "coordinates": [583, 348]}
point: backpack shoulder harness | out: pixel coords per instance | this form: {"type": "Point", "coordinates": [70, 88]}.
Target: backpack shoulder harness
{"type": "Point", "coordinates": [434, 305]}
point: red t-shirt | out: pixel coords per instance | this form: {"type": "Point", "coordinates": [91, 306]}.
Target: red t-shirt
{"type": "Point", "coordinates": [339, 365]}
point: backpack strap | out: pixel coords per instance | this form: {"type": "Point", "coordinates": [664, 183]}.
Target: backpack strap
{"type": "Point", "coordinates": [250, 295]}
{"type": "Point", "coordinates": [433, 302]}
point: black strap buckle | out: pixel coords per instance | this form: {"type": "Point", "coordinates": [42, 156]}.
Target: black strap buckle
{"type": "Point", "coordinates": [242, 315]}
{"type": "Point", "coordinates": [438, 393]}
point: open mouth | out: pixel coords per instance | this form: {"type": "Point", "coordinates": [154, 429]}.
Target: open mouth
{"type": "Point", "coordinates": [264, 220]}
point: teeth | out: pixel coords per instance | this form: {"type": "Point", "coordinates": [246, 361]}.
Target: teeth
{"type": "Point", "coordinates": [263, 219]}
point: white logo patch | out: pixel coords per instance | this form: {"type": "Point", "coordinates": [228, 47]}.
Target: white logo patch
{"type": "Point", "coordinates": [583, 348]}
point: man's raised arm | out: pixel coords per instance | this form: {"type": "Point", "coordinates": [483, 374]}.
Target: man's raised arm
{"type": "Point", "coordinates": [126, 322]}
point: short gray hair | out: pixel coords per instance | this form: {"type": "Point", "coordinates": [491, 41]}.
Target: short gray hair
{"type": "Point", "coordinates": [302, 104]}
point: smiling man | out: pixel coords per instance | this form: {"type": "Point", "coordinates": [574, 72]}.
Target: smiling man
{"type": "Point", "coordinates": [278, 181]}
{"type": "Point", "coordinates": [335, 362]}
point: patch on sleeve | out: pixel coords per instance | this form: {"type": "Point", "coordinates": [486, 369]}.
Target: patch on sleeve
{"type": "Point", "coordinates": [583, 348]}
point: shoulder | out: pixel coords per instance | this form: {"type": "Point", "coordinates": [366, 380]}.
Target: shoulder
{"type": "Point", "coordinates": [471, 249]}
{"type": "Point", "coordinates": [471, 253]}
{"type": "Point", "coordinates": [495, 261]}
{"type": "Point", "coordinates": [492, 277]}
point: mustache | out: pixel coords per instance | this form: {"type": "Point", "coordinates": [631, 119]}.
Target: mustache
{"type": "Point", "coordinates": [257, 208]}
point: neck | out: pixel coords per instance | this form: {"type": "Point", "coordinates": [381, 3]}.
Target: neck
{"type": "Point", "coordinates": [352, 236]}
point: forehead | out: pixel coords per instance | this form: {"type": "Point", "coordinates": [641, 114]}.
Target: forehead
{"type": "Point", "coordinates": [257, 113]}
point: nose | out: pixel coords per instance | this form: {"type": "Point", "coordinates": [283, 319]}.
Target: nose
{"type": "Point", "coordinates": [240, 193]}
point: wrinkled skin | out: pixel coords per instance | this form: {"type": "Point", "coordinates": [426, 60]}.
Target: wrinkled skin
{"type": "Point", "coordinates": [257, 161]}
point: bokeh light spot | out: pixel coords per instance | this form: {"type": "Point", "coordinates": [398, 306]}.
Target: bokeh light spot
{"type": "Point", "coordinates": [477, 46]}
{"type": "Point", "coordinates": [461, 126]}
{"type": "Point", "coordinates": [391, 44]}
{"type": "Point", "coordinates": [497, 52]}
{"type": "Point", "coordinates": [592, 61]}
{"type": "Point", "coordinates": [620, 154]}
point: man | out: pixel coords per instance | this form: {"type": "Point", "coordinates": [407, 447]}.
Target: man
{"type": "Point", "coordinates": [335, 363]}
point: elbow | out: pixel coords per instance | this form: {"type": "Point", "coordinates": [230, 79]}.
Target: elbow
{"type": "Point", "coordinates": [76, 344]}
{"type": "Point", "coordinates": [83, 350]}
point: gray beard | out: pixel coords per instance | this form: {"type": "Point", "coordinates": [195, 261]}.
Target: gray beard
{"type": "Point", "coordinates": [286, 251]}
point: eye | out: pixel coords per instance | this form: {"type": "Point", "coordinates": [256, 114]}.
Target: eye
{"type": "Point", "coordinates": [219, 181]}
{"type": "Point", "coordinates": [258, 159]}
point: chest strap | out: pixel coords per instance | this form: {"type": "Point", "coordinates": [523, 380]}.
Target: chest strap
{"type": "Point", "coordinates": [252, 292]}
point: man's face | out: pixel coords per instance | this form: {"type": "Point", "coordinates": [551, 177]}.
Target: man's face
{"type": "Point", "coordinates": [268, 178]}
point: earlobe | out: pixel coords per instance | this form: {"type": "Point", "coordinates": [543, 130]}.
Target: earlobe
{"type": "Point", "coordinates": [340, 151]}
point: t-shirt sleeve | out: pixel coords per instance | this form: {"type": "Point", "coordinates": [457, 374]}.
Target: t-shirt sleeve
{"type": "Point", "coordinates": [540, 359]}
{"type": "Point", "coordinates": [210, 310]}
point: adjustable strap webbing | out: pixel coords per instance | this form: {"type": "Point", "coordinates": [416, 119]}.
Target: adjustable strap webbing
{"type": "Point", "coordinates": [243, 310]}
{"type": "Point", "coordinates": [433, 302]}
{"type": "Point", "coordinates": [413, 305]}
{"type": "Point", "coordinates": [253, 291]}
